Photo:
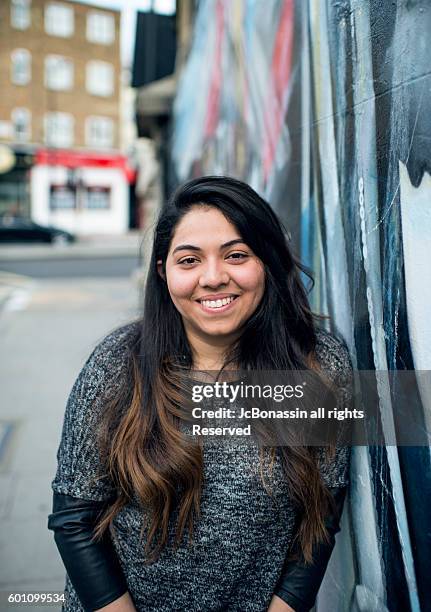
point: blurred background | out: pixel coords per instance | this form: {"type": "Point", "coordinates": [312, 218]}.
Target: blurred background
{"type": "Point", "coordinates": [324, 108]}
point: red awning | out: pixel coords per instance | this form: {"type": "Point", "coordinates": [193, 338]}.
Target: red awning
{"type": "Point", "coordinates": [83, 159]}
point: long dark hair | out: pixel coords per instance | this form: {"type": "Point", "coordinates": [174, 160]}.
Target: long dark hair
{"type": "Point", "coordinates": [142, 447]}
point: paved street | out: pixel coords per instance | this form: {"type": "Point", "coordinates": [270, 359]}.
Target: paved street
{"type": "Point", "coordinates": [73, 268]}
{"type": "Point", "coordinates": [48, 328]}
{"type": "Point", "coordinates": [90, 256]}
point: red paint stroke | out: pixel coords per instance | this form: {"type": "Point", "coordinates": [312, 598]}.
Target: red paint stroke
{"type": "Point", "coordinates": [275, 108]}
{"type": "Point", "coordinates": [213, 103]}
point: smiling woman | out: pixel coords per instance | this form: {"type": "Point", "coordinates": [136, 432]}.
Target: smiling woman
{"type": "Point", "coordinates": [214, 283]}
{"type": "Point", "coordinates": [186, 526]}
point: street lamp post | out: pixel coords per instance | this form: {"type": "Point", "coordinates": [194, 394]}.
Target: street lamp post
{"type": "Point", "coordinates": [76, 183]}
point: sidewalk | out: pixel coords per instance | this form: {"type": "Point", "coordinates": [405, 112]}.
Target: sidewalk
{"type": "Point", "coordinates": [14, 287]}
{"type": "Point", "coordinates": [95, 245]}
{"type": "Point", "coordinates": [45, 343]}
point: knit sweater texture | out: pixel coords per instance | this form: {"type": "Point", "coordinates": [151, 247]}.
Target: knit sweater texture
{"type": "Point", "coordinates": [244, 532]}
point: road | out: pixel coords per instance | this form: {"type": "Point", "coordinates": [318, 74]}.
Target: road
{"type": "Point", "coordinates": [73, 267]}
{"type": "Point", "coordinates": [48, 328]}
{"type": "Point", "coordinates": [91, 256]}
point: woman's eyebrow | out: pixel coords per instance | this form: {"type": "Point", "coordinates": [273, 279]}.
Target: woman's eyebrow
{"type": "Point", "coordinates": [191, 247]}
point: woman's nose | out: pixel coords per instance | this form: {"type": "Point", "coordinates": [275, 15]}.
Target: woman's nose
{"type": "Point", "coordinates": [213, 275]}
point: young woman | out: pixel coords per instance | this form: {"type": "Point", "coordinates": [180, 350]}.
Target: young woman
{"type": "Point", "coordinates": [185, 526]}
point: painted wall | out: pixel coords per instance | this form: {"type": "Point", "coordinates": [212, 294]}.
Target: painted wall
{"type": "Point", "coordinates": [324, 108]}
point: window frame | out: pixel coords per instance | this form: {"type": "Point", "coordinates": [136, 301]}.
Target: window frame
{"type": "Point", "coordinates": [91, 80]}
{"type": "Point", "coordinates": [13, 63]}
{"type": "Point", "coordinates": [48, 78]}
{"type": "Point", "coordinates": [56, 115]}
{"type": "Point", "coordinates": [51, 23]}
{"type": "Point", "coordinates": [18, 9]}
{"type": "Point", "coordinates": [91, 28]}
{"type": "Point", "coordinates": [92, 120]}
{"type": "Point", "coordinates": [27, 135]}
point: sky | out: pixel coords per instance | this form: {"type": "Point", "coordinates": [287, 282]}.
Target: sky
{"type": "Point", "coordinates": [128, 19]}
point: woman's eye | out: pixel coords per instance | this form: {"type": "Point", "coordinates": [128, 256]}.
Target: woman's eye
{"type": "Point", "coordinates": [238, 255]}
{"type": "Point", "coordinates": [188, 261]}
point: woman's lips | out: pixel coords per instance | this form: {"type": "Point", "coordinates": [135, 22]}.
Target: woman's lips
{"type": "Point", "coordinates": [218, 309]}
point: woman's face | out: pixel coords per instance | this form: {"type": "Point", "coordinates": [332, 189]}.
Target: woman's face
{"type": "Point", "coordinates": [214, 279]}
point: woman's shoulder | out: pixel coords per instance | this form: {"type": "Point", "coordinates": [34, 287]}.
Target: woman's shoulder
{"type": "Point", "coordinates": [105, 366]}
{"type": "Point", "coordinates": [109, 355]}
{"type": "Point", "coordinates": [333, 355]}
{"type": "Point", "coordinates": [118, 340]}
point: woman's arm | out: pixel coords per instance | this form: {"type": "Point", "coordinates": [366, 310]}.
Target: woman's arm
{"type": "Point", "coordinates": [92, 566]}
{"type": "Point", "coordinates": [299, 583]}
{"type": "Point", "coordinates": [82, 489]}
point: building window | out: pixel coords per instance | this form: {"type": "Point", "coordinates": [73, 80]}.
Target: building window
{"type": "Point", "coordinates": [59, 129]}
{"type": "Point", "coordinates": [62, 197]}
{"type": "Point", "coordinates": [100, 78]}
{"type": "Point", "coordinates": [21, 122]}
{"type": "Point", "coordinates": [58, 73]}
{"type": "Point", "coordinates": [100, 28]}
{"type": "Point", "coordinates": [20, 14]}
{"type": "Point", "coordinates": [98, 198]}
{"type": "Point", "coordinates": [99, 132]}
{"type": "Point", "coordinates": [21, 67]}
{"type": "Point", "coordinates": [59, 20]}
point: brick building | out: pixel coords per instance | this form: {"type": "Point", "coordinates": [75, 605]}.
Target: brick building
{"type": "Point", "coordinates": [59, 114]}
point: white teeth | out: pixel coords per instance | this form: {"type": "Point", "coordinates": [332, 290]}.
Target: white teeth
{"type": "Point", "coordinates": [217, 303]}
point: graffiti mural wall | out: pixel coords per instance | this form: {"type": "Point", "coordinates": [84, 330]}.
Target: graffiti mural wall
{"type": "Point", "coordinates": [325, 109]}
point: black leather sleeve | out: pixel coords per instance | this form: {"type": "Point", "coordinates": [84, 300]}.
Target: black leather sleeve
{"type": "Point", "coordinates": [93, 567]}
{"type": "Point", "coordinates": [299, 583]}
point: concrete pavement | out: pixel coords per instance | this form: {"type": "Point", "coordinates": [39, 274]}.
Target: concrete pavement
{"type": "Point", "coordinates": [14, 285]}
{"type": "Point", "coordinates": [93, 255]}
{"type": "Point", "coordinates": [46, 336]}
{"type": "Point", "coordinates": [96, 245]}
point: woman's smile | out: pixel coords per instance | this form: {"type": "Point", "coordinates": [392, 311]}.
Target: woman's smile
{"type": "Point", "coordinates": [214, 279]}
{"type": "Point", "coordinates": [217, 304]}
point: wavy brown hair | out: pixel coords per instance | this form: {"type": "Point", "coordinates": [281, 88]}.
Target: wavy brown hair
{"type": "Point", "coordinates": [142, 447]}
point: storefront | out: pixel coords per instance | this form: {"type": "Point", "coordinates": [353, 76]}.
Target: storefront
{"type": "Point", "coordinates": [81, 192]}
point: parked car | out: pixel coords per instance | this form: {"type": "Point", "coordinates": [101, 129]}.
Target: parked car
{"type": "Point", "coordinates": [20, 229]}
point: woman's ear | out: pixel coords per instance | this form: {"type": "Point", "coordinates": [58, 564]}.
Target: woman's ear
{"type": "Point", "coordinates": [160, 269]}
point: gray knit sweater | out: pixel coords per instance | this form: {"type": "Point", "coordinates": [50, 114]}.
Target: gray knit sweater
{"type": "Point", "coordinates": [243, 536]}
